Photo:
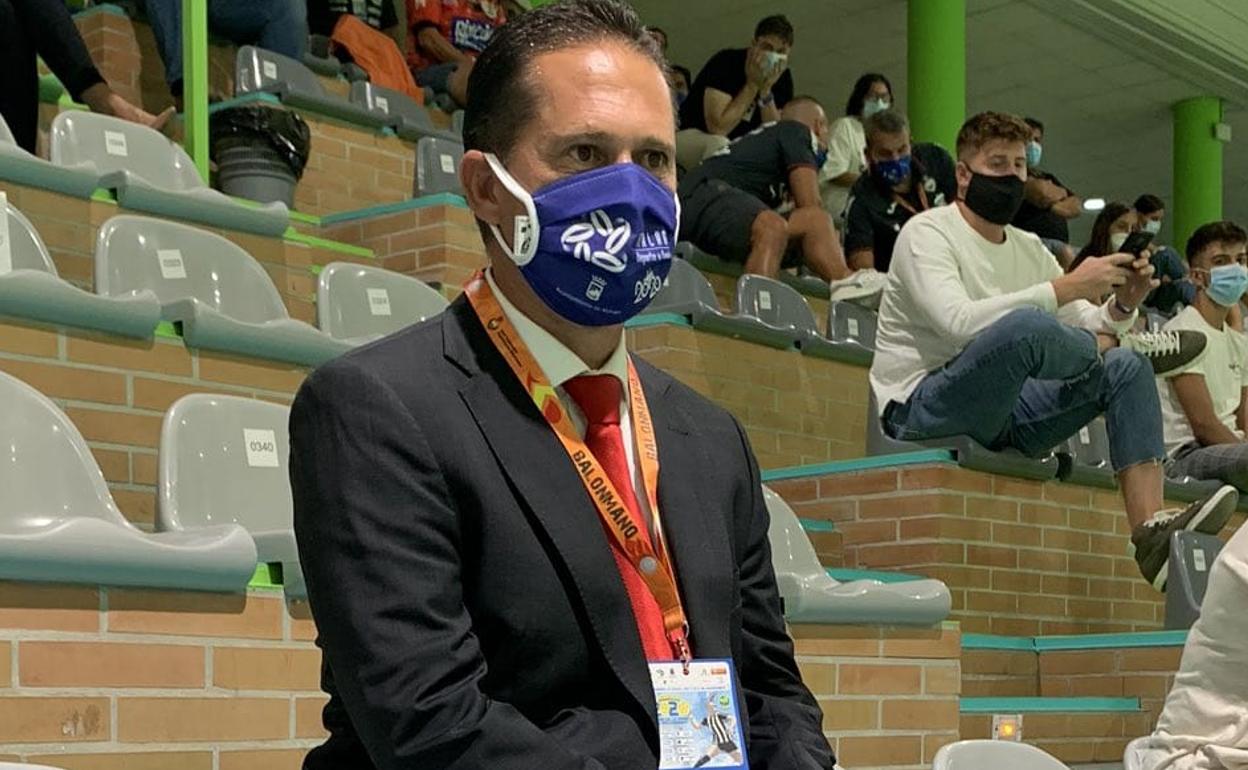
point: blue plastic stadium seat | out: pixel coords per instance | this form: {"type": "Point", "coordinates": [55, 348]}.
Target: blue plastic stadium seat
{"type": "Point", "coordinates": [258, 70]}
{"type": "Point", "coordinates": [16, 165]}
{"type": "Point", "coordinates": [219, 295]}
{"type": "Point", "coordinates": [32, 289]}
{"type": "Point", "coordinates": [153, 174]}
{"type": "Point", "coordinates": [59, 522]}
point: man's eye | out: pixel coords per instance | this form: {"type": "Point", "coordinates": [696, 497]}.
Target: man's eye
{"type": "Point", "coordinates": [583, 153]}
{"type": "Point", "coordinates": [655, 160]}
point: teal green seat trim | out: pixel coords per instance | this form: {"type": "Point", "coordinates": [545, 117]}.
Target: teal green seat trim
{"type": "Point", "coordinates": [297, 216]}
{"type": "Point", "coordinates": [994, 642]}
{"type": "Point", "coordinates": [323, 243]}
{"type": "Point", "coordinates": [657, 319]}
{"type": "Point", "coordinates": [108, 8]}
{"type": "Point", "coordinates": [920, 457]}
{"type": "Point", "coordinates": [1112, 641]}
{"type": "Point", "coordinates": [38, 296]}
{"type": "Point", "coordinates": [816, 525]}
{"type": "Point", "coordinates": [381, 209]}
{"type": "Point", "coordinates": [256, 97]}
{"type": "Point", "coordinates": [850, 575]}
{"type": "Point", "coordinates": [1046, 705]}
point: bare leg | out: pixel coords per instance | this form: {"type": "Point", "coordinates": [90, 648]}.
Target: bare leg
{"type": "Point", "coordinates": [820, 247]}
{"type": "Point", "coordinates": [1141, 491]}
{"type": "Point", "coordinates": [457, 83]}
{"type": "Point", "coordinates": [769, 237]}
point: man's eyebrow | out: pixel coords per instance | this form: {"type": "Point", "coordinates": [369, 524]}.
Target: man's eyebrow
{"type": "Point", "coordinates": [607, 138]}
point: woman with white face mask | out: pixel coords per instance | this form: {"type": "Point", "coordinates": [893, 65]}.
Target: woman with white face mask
{"type": "Point", "coordinates": [847, 142]}
{"type": "Point", "coordinates": [1115, 222]}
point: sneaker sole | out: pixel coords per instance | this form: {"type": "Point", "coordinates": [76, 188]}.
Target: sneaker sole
{"type": "Point", "coordinates": [1213, 515]}
{"type": "Point", "coordinates": [1186, 364]}
{"type": "Point", "coordinates": [1159, 582]}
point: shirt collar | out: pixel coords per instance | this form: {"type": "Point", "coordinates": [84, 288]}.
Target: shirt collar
{"type": "Point", "coordinates": [557, 362]}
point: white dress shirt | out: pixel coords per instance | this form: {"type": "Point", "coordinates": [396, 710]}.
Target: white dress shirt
{"type": "Point", "coordinates": [560, 364]}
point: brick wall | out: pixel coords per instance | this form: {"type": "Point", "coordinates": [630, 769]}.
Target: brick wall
{"type": "Point", "coordinates": [352, 168]}
{"type": "Point", "coordinates": [432, 243]}
{"type": "Point", "coordinates": [1071, 737]}
{"type": "Point", "coordinates": [111, 41]}
{"type": "Point", "coordinates": [1021, 558]}
{"type": "Point", "coordinates": [1000, 673]}
{"type": "Point", "coordinates": [889, 695]}
{"type": "Point", "coordinates": [1146, 673]}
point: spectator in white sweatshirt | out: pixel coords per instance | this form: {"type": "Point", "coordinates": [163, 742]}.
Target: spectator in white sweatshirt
{"type": "Point", "coordinates": [981, 334]}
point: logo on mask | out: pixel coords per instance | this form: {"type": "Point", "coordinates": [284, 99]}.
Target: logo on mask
{"type": "Point", "coordinates": [652, 247]}
{"type": "Point", "coordinates": [594, 290]}
{"type": "Point", "coordinates": [647, 288]}
{"type": "Point", "coordinates": [598, 241]}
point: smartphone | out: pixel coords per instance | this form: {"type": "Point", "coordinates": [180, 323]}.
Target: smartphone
{"type": "Point", "coordinates": [1136, 243]}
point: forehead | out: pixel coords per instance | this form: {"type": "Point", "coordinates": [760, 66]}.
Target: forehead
{"type": "Point", "coordinates": [603, 86]}
{"type": "Point", "coordinates": [1223, 248]}
{"type": "Point", "coordinates": [775, 42]}
{"type": "Point", "coordinates": [1000, 147]}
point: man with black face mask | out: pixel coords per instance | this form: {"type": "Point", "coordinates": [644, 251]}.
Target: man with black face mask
{"type": "Point", "coordinates": [982, 335]}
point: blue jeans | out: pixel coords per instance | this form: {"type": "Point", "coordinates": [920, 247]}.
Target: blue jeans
{"type": "Point", "coordinates": [1030, 382]}
{"type": "Point", "coordinates": [280, 26]}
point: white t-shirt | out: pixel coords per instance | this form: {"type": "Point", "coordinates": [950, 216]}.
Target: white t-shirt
{"type": "Point", "coordinates": [947, 283]}
{"type": "Point", "coordinates": [847, 146]}
{"type": "Point", "coordinates": [1225, 369]}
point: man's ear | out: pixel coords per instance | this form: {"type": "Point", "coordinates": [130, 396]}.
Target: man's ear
{"type": "Point", "coordinates": [482, 189]}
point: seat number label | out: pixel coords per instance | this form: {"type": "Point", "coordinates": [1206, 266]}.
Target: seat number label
{"type": "Point", "coordinates": [269, 68]}
{"type": "Point", "coordinates": [171, 265]}
{"type": "Point", "coordinates": [115, 143]}
{"type": "Point", "coordinates": [1085, 437]}
{"type": "Point", "coordinates": [852, 325]}
{"type": "Point", "coordinates": [383, 104]}
{"type": "Point", "coordinates": [448, 164]}
{"type": "Point", "coordinates": [261, 448]}
{"type": "Point", "coordinates": [378, 301]}
{"type": "Point", "coordinates": [1198, 560]}
{"type": "Point", "coordinates": [764, 300]}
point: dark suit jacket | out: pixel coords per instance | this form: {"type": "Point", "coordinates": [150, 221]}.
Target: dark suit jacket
{"type": "Point", "coordinates": [469, 608]}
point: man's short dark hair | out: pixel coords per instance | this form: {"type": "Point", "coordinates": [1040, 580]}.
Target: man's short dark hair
{"type": "Point", "coordinates": [888, 121]}
{"type": "Point", "coordinates": [777, 26]}
{"type": "Point", "coordinates": [991, 126]}
{"type": "Point", "coordinates": [1149, 204]}
{"type": "Point", "coordinates": [1214, 232]}
{"type": "Point", "coordinates": [501, 102]}
{"type": "Point", "coordinates": [1034, 123]}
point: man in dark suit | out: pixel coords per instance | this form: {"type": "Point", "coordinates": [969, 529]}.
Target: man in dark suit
{"type": "Point", "coordinates": [477, 607]}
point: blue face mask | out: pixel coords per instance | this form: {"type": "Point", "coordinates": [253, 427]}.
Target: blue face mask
{"type": "Point", "coordinates": [594, 246]}
{"type": "Point", "coordinates": [1034, 153]}
{"type": "Point", "coordinates": [892, 172]}
{"type": "Point", "coordinates": [821, 157]}
{"type": "Point", "coordinates": [1227, 284]}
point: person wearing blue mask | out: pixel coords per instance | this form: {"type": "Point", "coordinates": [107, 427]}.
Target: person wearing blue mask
{"type": "Point", "coordinates": [1205, 405]}
{"type": "Point", "coordinates": [756, 203]}
{"type": "Point", "coordinates": [515, 535]}
{"type": "Point", "coordinates": [847, 141]}
{"type": "Point", "coordinates": [1048, 205]}
{"type": "Point", "coordinates": [904, 180]}
{"type": "Point", "coordinates": [1176, 288]}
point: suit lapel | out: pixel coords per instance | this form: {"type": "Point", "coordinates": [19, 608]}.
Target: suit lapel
{"type": "Point", "coordinates": [532, 458]}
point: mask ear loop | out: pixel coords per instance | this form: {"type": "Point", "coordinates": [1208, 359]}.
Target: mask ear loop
{"type": "Point", "coordinates": [524, 235]}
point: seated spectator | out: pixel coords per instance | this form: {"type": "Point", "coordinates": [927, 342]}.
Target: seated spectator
{"type": "Point", "coordinates": [1047, 203]}
{"type": "Point", "coordinates": [981, 334]}
{"type": "Point", "coordinates": [847, 141]}
{"type": "Point", "coordinates": [1110, 230]}
{"type": "Point", "coordinates": [681, 78]}
{"type": "Point", "coordinates": [444, 38]}
{"type": "Point", "coordinates": [729, 203]}
{"type": "Point", "coordinates": [1175, 288]}
{"type": "Point", "coordinates": [363, 32]}
{"type": "Point", "coordinates": [1204, 407]}
{"type": "Point", "coordinates": [1204, 725]}
{"type": "Point", "coordinates": [43, 28]}
{"type": "Point", "coordinates": [280, 26]}
{"type": "Point", "coordinates": [903, 181]}
{"type": "Point", "coordinates": [738, 90]}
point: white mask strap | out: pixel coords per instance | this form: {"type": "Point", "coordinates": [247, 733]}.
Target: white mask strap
{"type": "Point", "coordinates": [525, 228]}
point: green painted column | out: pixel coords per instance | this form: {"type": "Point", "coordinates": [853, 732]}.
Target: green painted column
{"type": "Point", "coordinates": [1197, 195]}
{"type": "Point", "coordinates": [195, 82]}
{"type": "Point", "coordinates": [936, 70]}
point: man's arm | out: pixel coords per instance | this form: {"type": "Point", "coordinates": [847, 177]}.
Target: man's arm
{"type": "Point", "coordinates": [1068, 207]}
{"type": "Point", "coordinates": [1241, 414]}
{"type": "Point", "coordinates": [804, 186]}
{"type": "Point", "coordinates": [379, 544]}
{"type": "Point", "coordinates": [437, 46]}
{"type": "Point", "coordinates": [786, 725]}
{"type": "Point", "coordinates": [1040, 192]}
{"type": "Point", "coordinates": [724, 112]}
{"type": "Point", "coordinates": [1193, 396]}
{"type": "Point", "coordinates": [859, 235]}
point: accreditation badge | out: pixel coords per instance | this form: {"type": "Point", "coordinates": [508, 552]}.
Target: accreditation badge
{"type": "Point", "coordinates": [699, 716]}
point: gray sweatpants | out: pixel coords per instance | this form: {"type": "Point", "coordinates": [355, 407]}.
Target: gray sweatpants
{"type": "Point", "coordinates": [1227, 463]}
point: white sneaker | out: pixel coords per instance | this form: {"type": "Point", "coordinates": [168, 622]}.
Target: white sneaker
{"type": "Point", "coordinates": [862, 287]}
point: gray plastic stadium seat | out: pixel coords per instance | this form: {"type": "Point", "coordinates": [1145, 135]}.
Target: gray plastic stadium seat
{"type": "Point", "coordinates": [359, 304]}
{"type": "Point", "coordinates": [16, 766]}
{"type": "Point", "coordinates": [985, 754]}
{"type": "Point", "coordinates": [258, 70]}
{"type": "Point", "coordinates": [318, 58]}
{"type": "Point", "coordinates": [968, 452]}
{"type": "Point", "coordinates": [1191, 558]}
{"type": "Point", "coordinates": [437, 166]}
{"type": "Point", "coordinates": [17, 165]}
{"type": "Point", "coordinates": [811, 596]}
{"type": "Point", "coordinates": [224, 459]}
{"type": "Point", "coordinates": [400, 112]}
{"type": "Point", "coordinates": [33, 290]}
{"type": "Point", "coordinates": [850, 322]}
{"type": "Point", "coordinates": [1089, 457]}
{"type": "Point", "coordinates": [457, 122]}
{"type": "Point", "coordinates": [688, 293]}
{"type": "Point", "coordinates": [151, 173]}
{"type": "Point", "coordinates": [59, 523]}
{"type": "Point", "coordinates": [222, 298]}
{"type": "Point", "coordinates": [784, 315]}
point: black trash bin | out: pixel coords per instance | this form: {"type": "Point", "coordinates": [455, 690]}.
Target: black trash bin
{"type": "Point", "coordinates": [260, 152]}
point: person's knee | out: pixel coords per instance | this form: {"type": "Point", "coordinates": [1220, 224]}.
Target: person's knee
{"type": "Point", "coordinates": [811, 219]}
{"type": "Point", "coordinates": [1123, 366]}
{"type": "Point", "coordinates": [1029, 322]}
{"type": "Point", "coordinates": [769, 231]}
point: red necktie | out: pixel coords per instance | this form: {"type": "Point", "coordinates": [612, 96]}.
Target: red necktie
{"type": "Point", "coordinates": [599, 396]}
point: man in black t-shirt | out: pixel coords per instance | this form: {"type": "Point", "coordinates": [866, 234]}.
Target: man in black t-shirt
{"type": "Point", "coordinates": [729, 204]}
{"type": "Point", "coordinates": [1047, 203]}
{"type": "Point", "coordinates": [738, 90]}
{"type": "Point", "coordinates": [903, 181]}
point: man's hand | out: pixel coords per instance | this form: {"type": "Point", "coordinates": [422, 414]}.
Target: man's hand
{"type": "Point", "coordinates": [756, 68]}
{"type": "Point", "coordinates": [770, 78]}
{"type": "Point", "coordinates": [1094, 278]}
{"type": "Point", "coordinates": [104, 100]}
{"type": "Point", "coordinates": [1139, 283]}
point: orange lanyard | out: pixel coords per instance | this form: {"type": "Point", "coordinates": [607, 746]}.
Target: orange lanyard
{"type": "Point", "coordinates": [654, 566]}
{"type": "Point", "coordinates": [905, 204]}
